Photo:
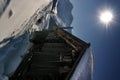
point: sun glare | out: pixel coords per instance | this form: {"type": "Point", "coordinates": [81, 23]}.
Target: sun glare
{"type": "Point", "coordinates": [106, 17]}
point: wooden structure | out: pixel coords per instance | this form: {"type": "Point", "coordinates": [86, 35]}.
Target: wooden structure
{"type": "Point", "coordinates": [54, 56]}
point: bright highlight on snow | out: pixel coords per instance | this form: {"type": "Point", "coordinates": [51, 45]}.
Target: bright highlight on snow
{"type": "Point", "coordinates": [106, 17]}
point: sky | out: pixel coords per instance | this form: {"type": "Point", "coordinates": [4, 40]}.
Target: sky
{"type": "Point", "coordinates": [105, 42]}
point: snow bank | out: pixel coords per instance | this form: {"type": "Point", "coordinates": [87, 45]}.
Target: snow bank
{"type": "Point", "coordinates": [84, 70]}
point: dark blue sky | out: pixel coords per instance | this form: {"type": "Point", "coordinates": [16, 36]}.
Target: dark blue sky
{"type": "Point", "coordinates": [105, 42]}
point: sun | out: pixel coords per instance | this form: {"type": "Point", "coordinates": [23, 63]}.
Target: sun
{"type": "Point", "coordinates": [106, 17]}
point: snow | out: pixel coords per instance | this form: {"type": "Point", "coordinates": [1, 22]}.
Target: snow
{"type": "Point", "coordinates": [3, 6]}
{"type": "Point", "coordinates": [56, 17]}
{"type": "Point", "coordinates": [22, 11]}
{"type": "Point", "coordinates": [84, 68]}
{"type": "Point", "coordinates": [62, 14]}
{"type": "Point", "coordinates": [11, 54]}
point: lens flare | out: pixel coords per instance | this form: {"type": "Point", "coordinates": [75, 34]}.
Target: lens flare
{"type": "Point", "coordinates": [106, 17]}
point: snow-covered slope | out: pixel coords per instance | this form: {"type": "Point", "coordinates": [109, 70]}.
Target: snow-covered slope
{"type": "Point", "coordinates": [15, 28]}
{"type": "Point", "coordinates": [21, 11]}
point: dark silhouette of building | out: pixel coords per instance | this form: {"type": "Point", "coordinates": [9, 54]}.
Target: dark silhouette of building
{"type": "Point", "coordinates": [53, 56]}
